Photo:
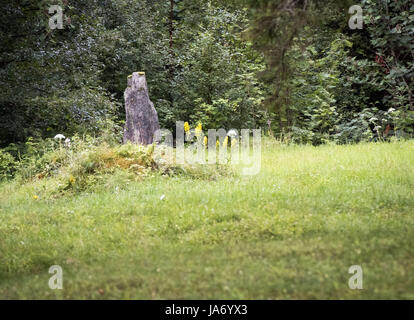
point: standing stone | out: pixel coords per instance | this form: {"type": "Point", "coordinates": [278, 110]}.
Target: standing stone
{"type": "Point", "coordinates": [141, 116]}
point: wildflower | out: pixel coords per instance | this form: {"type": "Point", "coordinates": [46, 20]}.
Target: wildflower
{"type": "Point", "coordinates": [205, 140]}
{"type": "Point", "coordinates": [67, 143]}
{"type": "Point", "coordinates": [226, 141]}
{"type": "Point", "coordinates": [59, 137]}
{"type": "Point", "coordinates": [162, 197]}
{"type": "Point", "coordinates": [72, 180]}
{"type": "Point", "coordinates": [199, 129]}
{"type": "Point", "coordinates": [186, 127]}
{"type": "Point", "coordinates": [232, 133]}
{"type": "Point", "coordinates": [217, 143]}
{"type": "Point", "coordinates": [35, 197]}
{"type": "Point", "coordinates": [233, 142]}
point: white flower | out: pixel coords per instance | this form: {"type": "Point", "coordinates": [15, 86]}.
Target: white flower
{"type": "Point", "coordinates": [391, 110]}
{"type": "Point", "coordinates": [232, 133]}
{"type": "Point", "coordinates": [67, 143]}
{"type": "Point", "coordinates": [162, 197]}
{"type": "Point", "coordinates": [59, 137]}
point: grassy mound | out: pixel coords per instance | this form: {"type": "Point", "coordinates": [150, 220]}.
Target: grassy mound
{"type": "Point", "coordinates": [87, 165]}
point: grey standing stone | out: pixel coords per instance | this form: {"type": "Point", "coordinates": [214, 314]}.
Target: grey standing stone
{"type": "Point", "coordinates": [141, 116]}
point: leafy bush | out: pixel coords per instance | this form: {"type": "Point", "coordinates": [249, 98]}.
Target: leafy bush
{"type": "Point", "coordinates": [8, 165]}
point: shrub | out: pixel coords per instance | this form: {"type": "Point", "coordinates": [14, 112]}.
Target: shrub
{"type": "Point", "coordinates": [8, 165]}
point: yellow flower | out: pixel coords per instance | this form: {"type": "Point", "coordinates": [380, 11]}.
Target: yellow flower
{"type": "Point", "coordinates": [217, 143]}
{"type": "Point", "coordinates": [233, 142]}
{"type": "Point", "coordinates": [72, 180]}
{"type": "Point", "coordinates": [226, 141]}
{"type": "Point", "coordinates": [199, 129]}
{"type": "Point", "coordinates": [205, 140]}
{"type": "Point", "coordinates": [35, 197]}
{"type": "Point", "coordinates": [186, 127]}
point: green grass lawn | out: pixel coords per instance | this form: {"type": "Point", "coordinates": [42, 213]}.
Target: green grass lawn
{"type": "Point", "coordinates": [291, 232]}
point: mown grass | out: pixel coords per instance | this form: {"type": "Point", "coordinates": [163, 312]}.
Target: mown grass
{"type": "Point", "coordinates": [291, 232]}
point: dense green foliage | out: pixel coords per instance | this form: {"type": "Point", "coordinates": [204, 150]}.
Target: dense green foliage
{"type": "Point", "coordinates": [50, 79]}
{"type": "Point", "coordinates": [72, 80]}
{"type": "Point", "coordinates": [294, 67]}
{"type": "Point", "coordinates": [334, 83]}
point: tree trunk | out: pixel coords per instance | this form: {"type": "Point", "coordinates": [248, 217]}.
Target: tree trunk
{"type": "Point", "coordinates": [141, 116]}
